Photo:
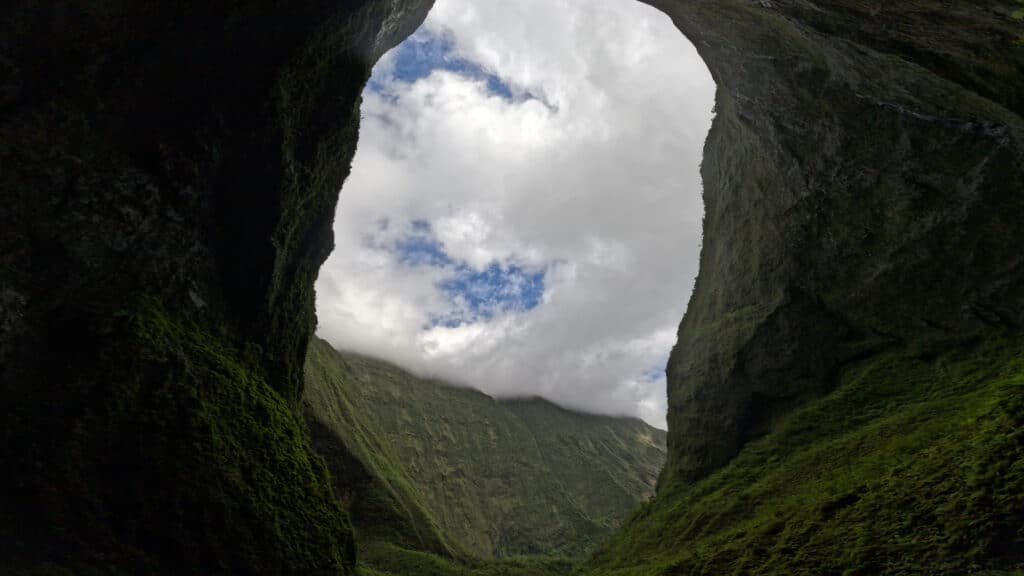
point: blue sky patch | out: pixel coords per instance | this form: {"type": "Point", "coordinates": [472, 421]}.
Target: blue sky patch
{"type": "Point", "coordinates": [654, 374]}
{"type": "Point", "coordinates": [476, 295]}
{"type": "Point", "coordinates": [419, 247]}
{"type": "Point", "coordinates": [426, 51]}
{"type": "Point", "coordinates": [496, 289]}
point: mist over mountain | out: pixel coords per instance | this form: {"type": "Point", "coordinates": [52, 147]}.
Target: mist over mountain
{"type": "Point", "coordinates": [453, 471]}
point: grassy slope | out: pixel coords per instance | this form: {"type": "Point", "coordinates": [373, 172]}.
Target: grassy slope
{"type": "Point", "coordinates": [625, 454]}
{"type": "Point", "coordinates": [914, 464]}
{"type": "Point", "coordinates": [253, 497]}
{"type": "Point", "coordinates": [383, 501]}
{"type": "Point", "coordinates": [383, 559]}
{"type": "Point", "coordinates": [472, 476]}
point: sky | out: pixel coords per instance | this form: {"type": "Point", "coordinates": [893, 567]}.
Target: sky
{"type": "Point", "coordinates": [524, 209]}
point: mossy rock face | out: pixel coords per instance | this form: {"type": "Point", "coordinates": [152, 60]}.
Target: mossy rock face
{"type": "Point", "coordinates": [862, 188]}
{"type": "Point", "coordinates": [912, 465]}
{"type": "Point", "coordinates": [184, 460]}
{"type": "Point", "coordinates": [169, 176]}
{"type": "Point", "coordinates": [169, 173]}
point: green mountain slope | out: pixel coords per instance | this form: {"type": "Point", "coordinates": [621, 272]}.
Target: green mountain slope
{"type": "Point", "coordinates": [451, 471]}
{"type": "Point", "coordinates": [602, 462]}
{"type": "Point", "coordinates": [913, 465]}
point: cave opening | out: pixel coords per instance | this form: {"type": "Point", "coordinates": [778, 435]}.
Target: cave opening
{"type": "Point", "coordinates": [172, 176]}
{"type": "Point", "coordinates": [524, 213]}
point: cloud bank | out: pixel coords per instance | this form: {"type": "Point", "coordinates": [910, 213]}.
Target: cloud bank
{"type": "Point", "coordinates": [524, 211]}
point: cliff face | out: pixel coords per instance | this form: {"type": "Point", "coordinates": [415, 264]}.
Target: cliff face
{"type": "Point", "coordinates": [845, 392]}
{"type": "Point", "coordinates": [169, 175]}
{"type": "Point", "coordinates": [862, 187]}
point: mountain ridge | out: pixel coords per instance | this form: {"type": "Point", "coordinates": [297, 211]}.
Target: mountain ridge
{"type": "Point", "coordinates": [429, 376]}
{"type": "Point", "coordinates": [170, 186]}
{"type": "Point", "coordinates": [489, 478]}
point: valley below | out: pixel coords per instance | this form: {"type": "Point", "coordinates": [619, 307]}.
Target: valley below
{"type": "Point", "coordinates": [845, 395]}
{"type": "Point", "coordinates": [431, 472]}
{"type": "Point", "coordinates": [909, 450]}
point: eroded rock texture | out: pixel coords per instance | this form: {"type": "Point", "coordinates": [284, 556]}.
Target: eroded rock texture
{"type": "Point", "coordinates": [864, 189]}
{"type": "Point", "coordinates": [169, 173]}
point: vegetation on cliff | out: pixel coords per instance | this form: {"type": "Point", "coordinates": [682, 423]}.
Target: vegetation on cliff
{"type": "Point", "coordinates": [845, 396]}
{"type": "Point", "coordinates": [913, 465]}
{"type": "Point", "coordinates": [434, 468]}
{"type": "Point", "coordinates": [202, 467]}
{"type": "Point", "coordinates": [1018, 14]}
{"type": "Point", "coordinates": [169, 175]}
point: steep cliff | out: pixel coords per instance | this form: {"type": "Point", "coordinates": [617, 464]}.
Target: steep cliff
{"type": "Point", "coordinates": [862, 191]}
{"type": "Point", "coordinates": [842, 399]}
{"type": "Point", "coordinates": [169, 172]}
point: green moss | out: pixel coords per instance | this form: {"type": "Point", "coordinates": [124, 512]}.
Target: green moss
{"type": "Point", "coordinates": [201, 467]}
{"type": "Point", "coordinates": [391, 560]}
{"type": "Point", "coordinates": [1018, 14]}
{"type": "Point", "coordinates": [910, 466]}
{"type": "Point", "coordinates": [250, 467]}
{"type": "Point", "coordinates": [170, 201]}
{"type": "Point", "coordinates": [386, 505]}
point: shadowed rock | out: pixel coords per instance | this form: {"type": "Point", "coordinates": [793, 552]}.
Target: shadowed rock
{"type": "Point", "coordinates": [169, 174]}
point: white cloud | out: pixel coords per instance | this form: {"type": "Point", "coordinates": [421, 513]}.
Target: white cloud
{"type": "Point", "coordinates": [589, 173]}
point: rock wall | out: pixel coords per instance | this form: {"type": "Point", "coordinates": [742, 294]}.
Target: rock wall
{"type": "Point", "coordinates": [863, 188]}
{"type": "Point", "coordinates": [169, 173]}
